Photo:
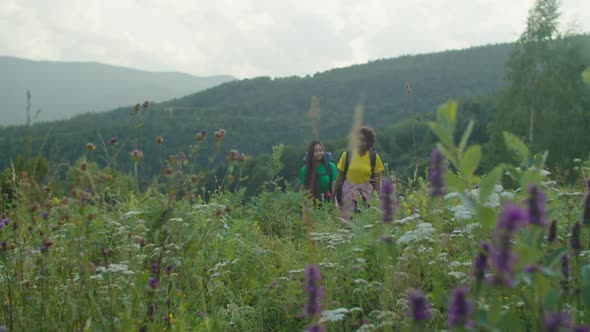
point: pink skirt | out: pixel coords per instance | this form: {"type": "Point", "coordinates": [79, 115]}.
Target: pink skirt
{"type": "Point", "coordinates": [353, 197]}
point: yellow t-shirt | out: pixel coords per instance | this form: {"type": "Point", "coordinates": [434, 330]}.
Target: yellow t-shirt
{"type": "Point", "coordinates": [359, 169]}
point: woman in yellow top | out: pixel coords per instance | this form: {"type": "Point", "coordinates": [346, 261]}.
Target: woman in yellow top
{"type": "Point", "coordinates": [360, 173]}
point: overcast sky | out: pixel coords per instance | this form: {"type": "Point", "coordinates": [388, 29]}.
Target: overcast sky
{"type": "Point", "coordinates": [247, 38]}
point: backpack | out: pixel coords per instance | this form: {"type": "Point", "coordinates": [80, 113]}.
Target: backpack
{"type": "Point", "coordinates": [327, 160]}
{"type": "Point", "coordinates": [372, 159]}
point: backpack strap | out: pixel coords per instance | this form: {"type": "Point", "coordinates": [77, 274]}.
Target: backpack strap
{"type": "Point", "coordinates": [346, 164]}
{"type": "Point", "coordinates": [373, 158]}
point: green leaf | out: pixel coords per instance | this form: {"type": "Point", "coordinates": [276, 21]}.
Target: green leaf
{"type": "Point", "coordinates": [451, 157]}
{"type": "Point", "coordinates": [551, 299]}
{"type": "Point", "coordinates": [488, 182]}
{"type": "Point", "coordinates": [555, 256]}
{"type": "Point", "coordinates": [586, 76]}
{"type": "Point", "coordinates": [530, 176]}
{"type": "Point", "coordinates": [586, 285]}
{"type": "Point", "coordinates": [487, 217]}
{"type": "Point", "coordinates": [470, 160]}
{"type": "Point", "coordinates": [446, 116]}
{"type": "Point", "coordinates": [517, 147]}
{"type": "Point", "coordinates": [466, 135]}
{"type": "Point", "coordinates": [454, 182]}
{"type": "Point", "coordinates": [443, 134]}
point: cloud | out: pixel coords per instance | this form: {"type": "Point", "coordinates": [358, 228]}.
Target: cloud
{"type": "Point", "coordinates": [250, 38]}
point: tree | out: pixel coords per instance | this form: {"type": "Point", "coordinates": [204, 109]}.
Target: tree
{"type": "Point", "coordinates": [545, 95]}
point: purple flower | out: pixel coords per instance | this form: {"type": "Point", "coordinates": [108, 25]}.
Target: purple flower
{"type": "Point", "coordinates": [3, 328]}
{"type": "Point", "coordinates": [419, 306]}
{"type": "Point", "coordinates": [554, 321]}
{"type": "Point", "coordinates": [511, 219]}
{"type": "Point", "coordinates": [581, 328]}
{"type": "Point", "coordinates": [438, 168]}
{"type": "Point", "coordinates": [154, 282]}
{"type": "Point", "coordinates": [552, 231]}
{"type": "Point", "coordinates": [586, 215]}
{"type": "Point", "coordinates": [480, 262]}
{"type": "Point", "coordinates": [316, 328]}
{"type": "Point", "coordinates": [114, 140]}
{"type": "Point", "coordinates": [532, 269]}
{"type": "Point", "coordinates": [388, 203]}
{"type": "Point", "coordinates": [314, 293]}
{"type": "Point", "coordinates": [169, 269]}
{"type": "Point", "coordinates": [575, 242]}
{"type": "Point", "coordinates": [155, 268]}
{"type": "Point", "coordinates": [536, 206]}
{"type": "Point", "coordinates": [4, 222]}
{"type": "Point", "coordinates": [565, 267]}
{"type": "Point", "coordinates": [43, 215]}
{"type": "Point", "coordinates": [460, 308]}
{"type": "Point", "coordinates": [501, 256]}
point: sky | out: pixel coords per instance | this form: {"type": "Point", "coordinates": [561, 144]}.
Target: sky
{"type": "Point", "coordinates": [248, 38]}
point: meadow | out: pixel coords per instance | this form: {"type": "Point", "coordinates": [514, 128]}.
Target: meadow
{"type": "Point", "coordinates": [454, 250]}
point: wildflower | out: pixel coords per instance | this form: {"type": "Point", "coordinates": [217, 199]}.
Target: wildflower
{"type": "Point", "coordinates": [586, 215]}
{"type": "Point", "coordinates": [460, 309]}
{"type": "Point", "coordinates": [554, 321]}
{"type": "Point", "coordinates": [581, 328]}
{"type": "Point", "coordinates": [90, 147]}
{"type": "Point", "coordinates": [159, 140]}
{"type": "Point", "coordinates": [219, 135]}
{"type": "Point", "coordinates": [511, 219]}
{"type": "Point", "coordinates": [388, 203]}
{"type": "Point", "coordinates": [200, 135]}
{"type": "Point", "coordinates": [565, 268]}
{"type": "Point", "coordinates": [316, 328]}
{"type": "Point", "coordinates": [155, 268]}
{"type": "Point", "coordinates": [313, 276]}
{"type": "Point", "coordinates": [230, 178]}
{"type": "Point", "coordinates": [480, 262]}
{"type": "Point", "coordinates": [83, 166]}
{"type": "Point", "coordinates": [106, 252]}
{"type": "Point", "coordinates": [575, 242]}
{"type": "Point", "coordinates": [419, 306]}
{"type": "Point", "coordinates": [438, 169]}
{"type": "Point", "coordinates": [532, 269]}
{"type": "Point", "coordinates": [136, 154]}
{"type": "Point", "coordinates": [168, 171]}
{"type": "Point", "coordinates": [552, 231]}
{"type": "Point", "coordinates": [4, 222]}
{"type": "Point", "coordinates": [169, 269]}
{"type": "Point", "coordinates": [142, 242]}
{"type": "Point", "coordinates": [194, 178]}
{"type": "Point", "coordinates": [154, 282]}
{"type": "Point", "coordinates": [43, 215]}
{"type": "Point", "coordinates": [536, 206]}
{"type": "Point", "coordinates": [114, 140]}
{"type": "Point", "coordinates": [232, 155]}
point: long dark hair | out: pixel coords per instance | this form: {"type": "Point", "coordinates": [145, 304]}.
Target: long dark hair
{"type": "Point", "coordinates": [311, 181]}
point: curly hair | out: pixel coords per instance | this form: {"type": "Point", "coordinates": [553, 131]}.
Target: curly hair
{"type": "Point", "coordinates": [369, 135]}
